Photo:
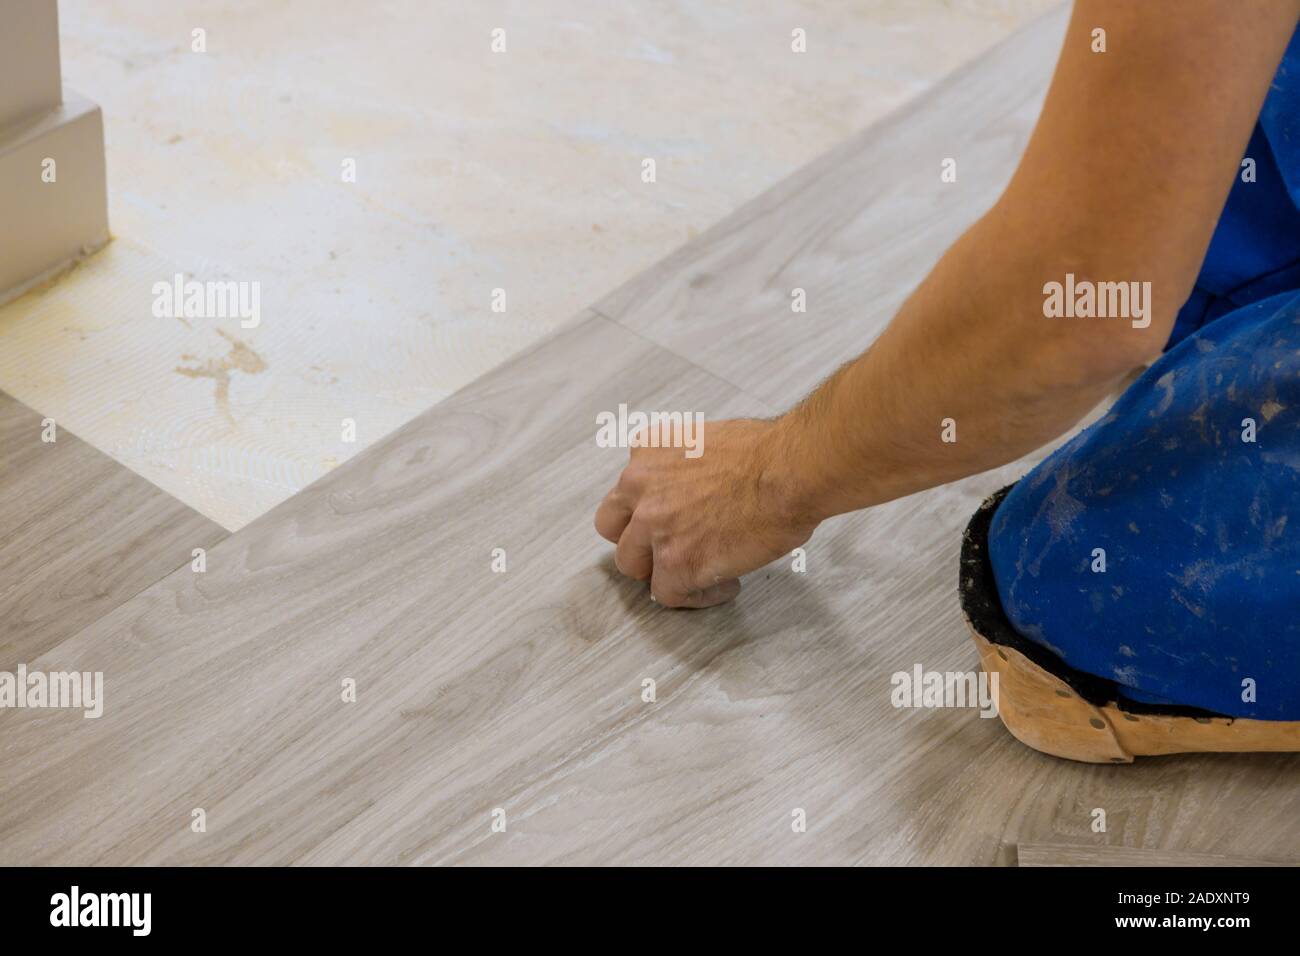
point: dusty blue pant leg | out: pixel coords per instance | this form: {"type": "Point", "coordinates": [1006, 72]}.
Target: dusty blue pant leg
{"type": "Point", "coordinates": [1200, 529]}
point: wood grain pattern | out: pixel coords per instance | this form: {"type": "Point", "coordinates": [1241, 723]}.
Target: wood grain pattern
{"type": "Point", "coordinates": [857, 230]}
{"type": "Point", "coordinates": [522, 691]}
{"type": "Point", "coordinates": [377, 294]}
{"type": "Point", "coordinates": [1069, 854]}
{"type": "Point", "coordinates": [79, 534]}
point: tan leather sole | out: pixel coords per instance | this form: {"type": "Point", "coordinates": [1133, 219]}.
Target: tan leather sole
{"type": "Point", "coordinates": [1044, 711]}
{"type": "Point", "coordinates": [1041, 710]}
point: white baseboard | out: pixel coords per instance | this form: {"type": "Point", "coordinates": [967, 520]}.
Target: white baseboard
{"type": "Point", "coordinates": [48, 226]}
{"type": "Point", "coordinates": [29, 59]}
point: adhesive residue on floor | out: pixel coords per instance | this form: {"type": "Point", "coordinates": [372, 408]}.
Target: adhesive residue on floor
{"type": "Point", "coordinates": [415, 207]}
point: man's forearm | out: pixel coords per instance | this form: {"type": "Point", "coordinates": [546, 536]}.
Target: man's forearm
{"type": "Point", "coordinates": [968, 376]}
{"type": "Point", "coordinates": [1122, 181]}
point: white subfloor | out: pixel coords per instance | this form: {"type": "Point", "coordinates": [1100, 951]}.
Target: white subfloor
{"type": "Point", "coordinates": [475, 171]}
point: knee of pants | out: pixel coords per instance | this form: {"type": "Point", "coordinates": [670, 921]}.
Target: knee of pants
{"type": "Point", "coordinates": [1160, 547]}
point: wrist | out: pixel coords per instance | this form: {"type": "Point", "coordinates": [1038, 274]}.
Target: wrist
{"type": "Point", "coordinates": [795, 475]}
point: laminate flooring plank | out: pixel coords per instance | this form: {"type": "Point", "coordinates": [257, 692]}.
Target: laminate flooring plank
{"type": "Point", "coordinates": [522, 691]}
{"type": "Point", "coordinates": [79, 534]}
{"type": "Point", "coordinates": [213, 680]}
{"type": "Point", "coordinates": [1069, 854]}
{"type": "Point", "coordinates": [856, 230]}
{"type": "Point", "coordinates": [519, 695]}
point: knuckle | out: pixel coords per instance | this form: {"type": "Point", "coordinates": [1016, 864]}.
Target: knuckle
{"type": "Point", "coordinates": [670, 598]}
{"type": "Point", "coordinates": [628, 480]}
{"type": "Point", "coordinates": [669, 557]}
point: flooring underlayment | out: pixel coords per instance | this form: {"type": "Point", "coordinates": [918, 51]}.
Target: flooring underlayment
{"type": "Point", "coordinates": [516, 694]}
{"type": "Point", "coordinates": [474, 171]}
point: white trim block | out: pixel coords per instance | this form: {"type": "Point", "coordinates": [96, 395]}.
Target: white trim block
{"type": "Point", "coordinates": [29, 59]}
{"type": "Point", "coordinates": [53, 197]}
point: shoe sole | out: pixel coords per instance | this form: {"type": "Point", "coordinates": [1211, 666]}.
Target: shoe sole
{"type": "Point", "coordinates": [1057, 710]}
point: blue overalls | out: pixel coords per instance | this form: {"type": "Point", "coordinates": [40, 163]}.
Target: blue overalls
{"type": "Point", "coordinates": [1160, 548]}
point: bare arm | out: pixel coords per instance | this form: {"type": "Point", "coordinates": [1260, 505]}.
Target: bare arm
{"type": "Point", "coordinates": [1123, 181]}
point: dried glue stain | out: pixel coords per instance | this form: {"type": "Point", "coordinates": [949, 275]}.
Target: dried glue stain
{"type": "Point", "coordinates": [1166, 383]}
{"type": "Point", "coordinates": [1194, 608]}
{"type": "Point", "coordinates": [1059, 510]}
{"type": "Point", "coordinates": [1270, 408]}
{"type": "Point", "coordinates": [241, 359]}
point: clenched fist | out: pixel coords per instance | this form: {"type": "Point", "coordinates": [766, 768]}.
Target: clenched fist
{"type": "Point", "coordinates": [693, 526]}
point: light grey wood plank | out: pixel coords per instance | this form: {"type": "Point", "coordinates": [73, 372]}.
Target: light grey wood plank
{"type": "Point", "coordinates": [1069, 854]}
{"type": "Point", "coordinates": [521, 690]}
{"type": "Point", "coordinates": [857, 230]}
{"type": "Point", "coordinates": [79, 534]}
{"type": "Point", "coordinates": [367, 574]}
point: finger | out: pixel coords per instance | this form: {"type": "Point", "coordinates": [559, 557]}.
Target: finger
{"type": "Point", "coordinates": [612, 516]}
{"type": "Point", "coordinates": [720, 593]}
{"type": "Point", "coordinates": [674, 583]}
{"type": "Point", "coordinates": [680, 582]}
{"type": "Point", "coordinates": [633, 557]}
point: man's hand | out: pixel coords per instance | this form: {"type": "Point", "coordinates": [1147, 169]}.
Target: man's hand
{"type": "Point", "coordinates": [1124, 179]}
{"type": "Point", "coordinates": [693, 526]}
